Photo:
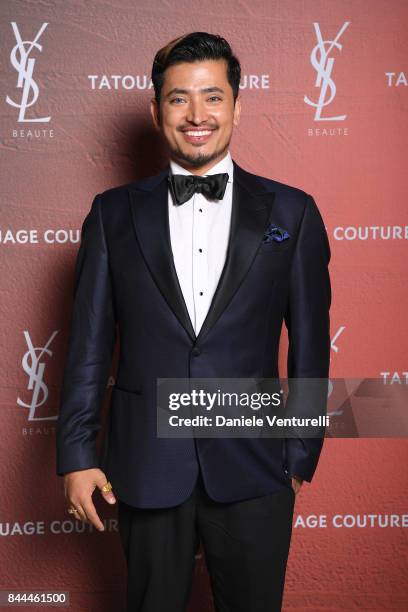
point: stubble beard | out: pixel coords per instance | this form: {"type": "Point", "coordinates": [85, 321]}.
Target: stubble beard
{"type": "Point", "coordinates": [196, 161]}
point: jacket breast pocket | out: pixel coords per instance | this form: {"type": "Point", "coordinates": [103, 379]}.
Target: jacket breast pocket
{"type": "Point", "coordinates": [273, 246]}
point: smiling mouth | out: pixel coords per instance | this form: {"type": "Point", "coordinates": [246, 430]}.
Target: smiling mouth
{"type": "Point", "coordinates": [197, 136]}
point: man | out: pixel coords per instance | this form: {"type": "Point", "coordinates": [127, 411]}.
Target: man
{"type": "Point", "coordinates": [196, 267]}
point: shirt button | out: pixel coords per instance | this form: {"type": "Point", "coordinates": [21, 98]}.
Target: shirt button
{"type": "Point", "coordinates": [200, 210]}
{"type": "Point", "coordinates": [196, 351]}
{"type": "Point", "coordinates": [201, 293]}
{"type": "Point", "coordinates": [201, 250]}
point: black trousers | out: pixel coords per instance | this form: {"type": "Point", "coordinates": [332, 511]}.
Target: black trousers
{"type": "Point", "coordinates": [246, 546]}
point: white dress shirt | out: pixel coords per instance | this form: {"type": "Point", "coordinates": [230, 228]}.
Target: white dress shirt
{"type": "Point", "coordinates": [199, 235]}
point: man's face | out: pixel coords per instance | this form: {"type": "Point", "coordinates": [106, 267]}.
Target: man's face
{"type": "Point", "coordinates": [197, 113]}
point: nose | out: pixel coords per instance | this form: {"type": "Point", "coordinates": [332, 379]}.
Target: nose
{"type": "Point", "coordinates": [197, 112]}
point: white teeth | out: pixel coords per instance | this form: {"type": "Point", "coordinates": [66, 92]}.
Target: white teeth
{"type": "Point", "coordinates": [195, 133]}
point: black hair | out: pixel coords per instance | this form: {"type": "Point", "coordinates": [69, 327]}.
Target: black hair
{"type": "Point", "coordinates": [195, 47]}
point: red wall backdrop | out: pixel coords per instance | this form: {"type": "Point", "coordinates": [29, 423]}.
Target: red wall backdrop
{"type": "Point", "coordinates": [88, 71]}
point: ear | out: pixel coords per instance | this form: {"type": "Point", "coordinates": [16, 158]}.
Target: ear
{"type": "Point", "coordinates": [237, 110]}
{"type": "Point", "coordinates": [155, 113]}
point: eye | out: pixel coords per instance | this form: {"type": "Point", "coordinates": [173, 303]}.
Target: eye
{"type": "Point", "coordinates": [216, 97]}
{"type": "Point", "coordinates": [174, 99]}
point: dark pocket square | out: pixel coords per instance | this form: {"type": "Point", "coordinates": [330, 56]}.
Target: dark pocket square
{"type": "Point", "coordinates": [276, 233]}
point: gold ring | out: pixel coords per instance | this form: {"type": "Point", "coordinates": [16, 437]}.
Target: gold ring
{"type": "Point", "coordinates": [106, 487]}
{"type": "Point", "coordinates": [72, 510]}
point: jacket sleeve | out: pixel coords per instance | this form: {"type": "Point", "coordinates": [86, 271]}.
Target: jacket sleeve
{"type": "Point", "coordinates": [308, 323]}
{"type": "Point", "coordinates": [89, 353]}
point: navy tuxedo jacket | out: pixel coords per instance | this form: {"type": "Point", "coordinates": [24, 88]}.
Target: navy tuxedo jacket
{"type": "Point", "coordinates": [126, 286]}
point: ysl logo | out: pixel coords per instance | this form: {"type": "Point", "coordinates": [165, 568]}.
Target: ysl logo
{"type": "Point", "coordinates": [24, 64]}
{"type": "Point", "coordinates": [333, 341]}
{"type": "Point", "coordinates": [35, 370]}
{"type": "Point", "coordinates": [323, 64]}
{"type": "Point", "coordinates": [335, 348]}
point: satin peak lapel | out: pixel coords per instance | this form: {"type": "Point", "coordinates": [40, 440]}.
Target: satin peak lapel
{"type": "Point", "coordinates": [251, 210]}
{"type": "Point", "coordinates": [149, 207]}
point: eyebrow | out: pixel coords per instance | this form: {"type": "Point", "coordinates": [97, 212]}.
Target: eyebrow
{"type": "Point", "coordinates": [186, 91]}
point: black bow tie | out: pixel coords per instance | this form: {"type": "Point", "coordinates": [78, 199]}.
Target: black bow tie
{"type": "Point", "coordinates": [182, 186]}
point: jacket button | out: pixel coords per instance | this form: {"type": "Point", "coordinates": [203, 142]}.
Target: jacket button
{"type": "Point", "coordinates": [196, 351]}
